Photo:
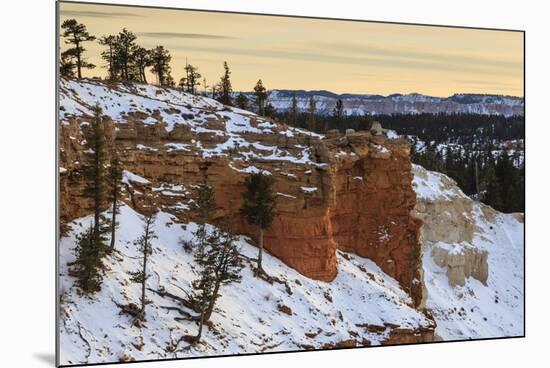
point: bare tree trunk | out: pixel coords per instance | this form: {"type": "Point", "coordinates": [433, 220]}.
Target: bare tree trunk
{"type": "Point", "coordinates": [210, 308]}
{"type": "Point", "coordinates": [145, 252]}
{"type": "Point", "coordinates": [113, 219]}
{"type": "Point", "coordinates": [201, 322]}
{"type": "Point", "coordinates": [260, 251]}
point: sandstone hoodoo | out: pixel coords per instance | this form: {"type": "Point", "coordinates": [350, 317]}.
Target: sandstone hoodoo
{"type": "Point", "coordinates": [351, 192]}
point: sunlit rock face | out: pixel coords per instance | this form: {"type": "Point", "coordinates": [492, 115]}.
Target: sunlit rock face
{"type": "Point", "coordinates": [351, 192]}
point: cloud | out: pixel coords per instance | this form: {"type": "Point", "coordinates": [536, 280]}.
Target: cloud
{"type": "Point", "coordinates": [363, 60]}
{"type": "Point", "coordinates": [202, 36]}
{"type": "Point", "coordinates": [421, 55]}
{"type": "Point", "coordinates": [96, 14]}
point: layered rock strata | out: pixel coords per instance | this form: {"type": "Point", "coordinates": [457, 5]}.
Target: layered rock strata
{"type": "Point", "coordinates": [351, 192]}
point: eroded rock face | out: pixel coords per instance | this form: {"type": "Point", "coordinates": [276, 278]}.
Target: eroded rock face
{"type": "Point", "coordinates": [461, 261]}
{"type": "Point", "coordinates": [448, 227]}
{"type": "Point", "coordinates": [371, 213]}
{"type": "Point", "coordinates": [351, 192]}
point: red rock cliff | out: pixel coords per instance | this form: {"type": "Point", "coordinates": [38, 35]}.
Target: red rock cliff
{"type": "Point", "coordinates": [353, 192]}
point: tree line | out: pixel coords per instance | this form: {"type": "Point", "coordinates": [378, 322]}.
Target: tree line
{"type": "Point", "coordinates": [483, 154]}
{"type": "Point", "coordinates": [126, 60]}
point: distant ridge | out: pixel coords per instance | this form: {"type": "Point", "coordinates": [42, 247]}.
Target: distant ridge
{"type": "Point", "coordinates": [412, 103]}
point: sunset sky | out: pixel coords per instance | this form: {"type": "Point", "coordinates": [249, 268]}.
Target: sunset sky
{"type": "Point", "coordinates": [312, 54]}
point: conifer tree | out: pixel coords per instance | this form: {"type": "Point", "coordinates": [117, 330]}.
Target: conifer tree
{"type": "Point", "coordinates": [269, 110]}
{"type": "Point", "coordinates": [95, 174]}
{"type": "Point", "coordinates": [76, 34]}
{"type": "Point", "coordinates": [87, 267]}
{"type": "Point", "coordinates": [217, 256]}
{"type": "Point", "coordinates": [125, 44]}
{"type": "Point", "coordinates": [224, 260]}
{"type": "Point", "coordinates": [203, 287]}
{"type": "Point", "coordinates": [66, 67]}
{"type": "Point", "coordinates": [261, 95]}
{"type": "Point", "coordinates": [293, 114]}
{"type": "Point", "coordinates": [115, 179]}
{"type": "Point", "coordinates": [160, 62]}
{"type": "Point", "coordinates": [242, 101]}
{"type": "Point", "coordinates": [109, 55]}
{"type": "Point", "coordinates": [91, 246]}
{"type": "Point", "coordinates": [224, 86]}
{"type": "Point", "coordinates": [191, 80]}
{"type": "Point", "coordinates": [259, 207]}
{"type": "Point", "coordinates": [145, 248]}
{"type": "Point", "coordinates": [203, 290]}
{"type": "Point", "coordinates": [141, 58]}
{"type": "Point", "coordinates": [310, 120]}
{"type": "Point", "coordinates": [493, 194]}
{"type": "Point", "coordinates": [339, 110]}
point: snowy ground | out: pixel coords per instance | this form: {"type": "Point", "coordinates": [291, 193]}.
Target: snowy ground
{"type": "Point", "coordinates": [247, 318]}
{"type": "Point", "coordinates": [239, 134]}
{"type": "Point", "coordinates": [475, 310]}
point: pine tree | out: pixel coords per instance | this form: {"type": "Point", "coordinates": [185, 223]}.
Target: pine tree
{"type": "Point", "coordinates": [191, 80]}
{"type": "Point", "coordinates": [91, 247]}
{"type": "Point", "coordinates": [242, 101]}
{"type": "Point", "coordinates": [224, 86]}
{"type": "Point", "coordinates": [95, 174]}
{"type": "Point", "coordinates": [125, 44]}
{"type": "Point", "coordinates": [203, 291]}
{"type": "Point", "coordinates": [145, 248]}
{"type": "Point", "coordinates": [339, 110]}
{"type": "Point", "coordinates": [76, 34]}
{"type": "Point", "coordinates": [493, 194]}
{"type": "Point", "coordinates": [261, 95]}
{"type": "Point", "coordinates": [310, 120]}
{"type": "Point", "coordinates": [259, 207]}
{"type": "Point", "coordinates": [115, 179]}
{"type": "Point", "coordinates": [66, 67]}
{"type": "Point", "coordinates": [217, 256]}
{"type": "Point", "coordinates": [269, 110]}
{"type": "Point", "coordinates": [203, 287]}
{"type": "Point", "coordinates": [109, 55]}
{"type": "Point", "coordinates": [141, 57]}
{"type": "Point", "coordinates": [87, 267]}
{"type": "Point", "coordinates": [160, 62]}
{"type": "Point", "coordinates": [293, 114]}
{"type": "Point", "coordinates": [224, 259]}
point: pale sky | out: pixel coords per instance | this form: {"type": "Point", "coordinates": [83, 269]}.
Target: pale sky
{"type": "Point", "coordinates": [313, 54]}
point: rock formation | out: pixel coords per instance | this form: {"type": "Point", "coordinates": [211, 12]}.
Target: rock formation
{"type": "Point", "coordinates": [448, 226]}
{"type": "Point", "coordinates": [351, 192]}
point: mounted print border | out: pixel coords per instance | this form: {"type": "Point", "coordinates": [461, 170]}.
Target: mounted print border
{"type": "Point", "coordinates": [238, 183]}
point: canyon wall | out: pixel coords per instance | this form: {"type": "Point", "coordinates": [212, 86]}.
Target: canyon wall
{"type": "Point", "coordinates": [344, 191]}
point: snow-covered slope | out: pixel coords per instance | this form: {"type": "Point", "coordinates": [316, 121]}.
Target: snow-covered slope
{"type": "Point", "coordinates": [249, 316]}
{"type": "Point", "coordinates": [480, 242]}
{"type": "Point", "coordinates": [195, 124]}
{"type": "Point", "coordinates": [414, 103]}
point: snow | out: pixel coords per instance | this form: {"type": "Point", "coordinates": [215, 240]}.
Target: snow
{"type": "Point", "coordinates": [246, 319]}
{"type": "Point", "coordinates": [231, 132]}
{"type": "Point", "coordinates": [432, 185]}
{"type": "Point", "coordinates": [309, 189]}
{"type": "Point", "coordinates": [391, 134]}
{"type": "Point", "coordinates": [286, 195]}
{"type": "Point", "coordinates": [146, 148]}
{"type": "Point", "coordinates": [128, 177]}
{"type": "Point", "coordinates": [475, 310]}
{"type": "Point", "coordinates": [414, 103]}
